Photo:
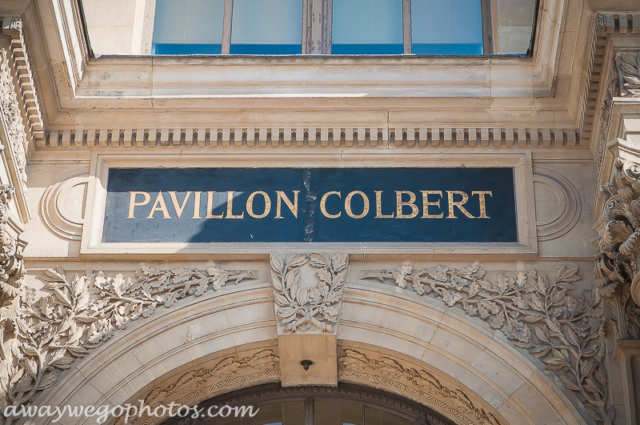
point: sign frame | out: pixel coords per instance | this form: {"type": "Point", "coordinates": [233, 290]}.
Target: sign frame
{"type": "Point", "coordinates": [519, 161]}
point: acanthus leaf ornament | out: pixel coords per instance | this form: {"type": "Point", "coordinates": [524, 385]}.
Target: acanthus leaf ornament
{"type": "Point", "coordinates": [536, 312]}
{"type": "Point", "coordinates": [314, 308]}
{"type": "Point", "coordinates": [629, 71]}
{"type": "Point", "coordinates": [76, 315]}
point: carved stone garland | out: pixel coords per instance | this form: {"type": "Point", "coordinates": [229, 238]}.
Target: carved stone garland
{"type": "Point", "coordinates": [534, 311]}
{"type": "Point", "coordinates": [455, 401]}
{"type": "Point", "coordinates": [617, 264]}
{"type": "Point", "coordinates": [304, 309]}
{"type": "Point", "coordinates": [265, 362]}
{"type": "Point", "coordinates": [75, 315]}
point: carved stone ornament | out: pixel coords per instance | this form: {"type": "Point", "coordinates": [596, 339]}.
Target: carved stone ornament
{"type": "Point", "coordinates": [264, 363]}
{"type": "Point", "coordinates": [389, 372]}
{"type": "Point", "coordinates": [12, 118]}
{"type": "Point", "coordinates": [629, 71]}
{"type": "Point", "coordinates": [315, 308]}
{"type": "Point", "coordinates": [535, 311]}
{"type": "Point", "coordinates": [75, 315]}
{"type": "Point", "coordinates": [618, 260]}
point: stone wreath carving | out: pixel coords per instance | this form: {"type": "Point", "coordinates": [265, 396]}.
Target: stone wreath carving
{"type": "Point", "coordinates": [535, 311]}
{"type": "Point", "coordinates": [629, 71]}
{"type": "Point", "coordinates": [456, 400]}
{"type": "Point", "coordinates": [617, 264]}
{"type": "Point", "coordinates": [51, 332]}
{"type": "Point", "coordinates": [308, 309]}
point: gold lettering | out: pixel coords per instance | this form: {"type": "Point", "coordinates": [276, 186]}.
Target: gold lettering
{"type": "Point", "coordinates": [196, 205]}
{"type": "Point", "coordinates": [323, 204]}
{"type": "Point", "coordinates": [410, 203]}
{"type": "Point", "coordinates": [267, 204]}
{"type": "Point", "coordinates": [293, 206]}
{"type": "Point", "coordinates": [458, 204]}
{"type": "Point", "coordinates": [347, 204]}
{"type": "Point", "coordinates": [210, 206]}
{"type": "Point", "coordinates": [483, 203]}
{"type": "Point", "coordinates": [230, 206]}
{"type": "Point", "coordinates": [426, 204]}
{"type": "Point", "coordinates": [174, 199]}
{"type": "Point", "coordinates": [379, 206]}
{"type": "Point", "coordinates": [159, 205]}
{"type": "Point", "coordinates": [133, 204]}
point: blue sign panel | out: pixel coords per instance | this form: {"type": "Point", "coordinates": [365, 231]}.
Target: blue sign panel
{"type": "Point", "coordinates": [359, 205]}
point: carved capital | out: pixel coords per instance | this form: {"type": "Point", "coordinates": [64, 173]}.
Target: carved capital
{"type": "Point", "coordinates": [304, 305]}
{"type": "Point", "coordinates": [617, 263]}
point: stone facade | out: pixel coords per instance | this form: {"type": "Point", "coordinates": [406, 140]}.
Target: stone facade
{"type": "Point", "coordinates": [543, 330]}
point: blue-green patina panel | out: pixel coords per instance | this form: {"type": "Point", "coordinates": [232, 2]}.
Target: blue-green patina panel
{"type": "Point", "coordinates": [358, 205]}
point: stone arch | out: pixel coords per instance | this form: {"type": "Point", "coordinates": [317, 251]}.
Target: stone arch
{"type": "Point", "coordinates": [209, 345]}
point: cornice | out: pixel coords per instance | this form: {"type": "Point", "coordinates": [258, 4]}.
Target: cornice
{"type": "Point", "coordinates": [361, 137]}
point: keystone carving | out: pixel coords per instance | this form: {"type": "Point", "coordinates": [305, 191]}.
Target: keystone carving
{"type": "Point", "coordinates": [386, 368]}
{"type": "Point", "coordinates": [76, 315]}
{"type": "Point", "coordinates": [300, 308]}
{"type": "Point", "coordinates": [629, 71]}
{"type": "Point", "coordinates": [534, 311]}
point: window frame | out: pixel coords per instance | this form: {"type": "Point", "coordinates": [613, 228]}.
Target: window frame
{"type": "Point", "coordinates": [316, 33]}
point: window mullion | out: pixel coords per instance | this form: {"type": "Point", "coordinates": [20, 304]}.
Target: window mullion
{"type": "Point", "coordinates": [487, 28]}
{"type": "Point", "coordinates": [406, 26]}
{"type": "Point", "coordinates": [226, 27]}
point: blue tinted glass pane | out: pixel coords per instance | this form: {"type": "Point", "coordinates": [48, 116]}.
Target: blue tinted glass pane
{"type": "Point", "coordinates": [266, 27]}
{"type": "Point", "coordinates": [367, 27]}
{"type": "Point", "coordinates": [187, 49]}
{"type": "Point", "coordinates": [188, 21]}
{"type": "Point", "coordinates": [452, 27]}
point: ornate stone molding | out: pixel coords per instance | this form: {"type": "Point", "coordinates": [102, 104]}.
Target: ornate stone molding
{"type": "Point", "coordinates": [536, 312]}
{"type": "Point", "coordinates": [301, 307]}
{"type": "Point", "coordinates": [617, 22]}
{"type": "Point", "coordinates": [24, 80]}
{"type": "Point", "coordinates": [11, 260]}
{"type": "Point", "coordinates": [75, 315]}
{"type": "Point", "coordinates": [567, 214]}
{"type": "Point", "coordinates": [400, 377]}
{"type": "Point", "coordinates": [12, 119]}
{"type": "Point", "coordinates": [313, 137]}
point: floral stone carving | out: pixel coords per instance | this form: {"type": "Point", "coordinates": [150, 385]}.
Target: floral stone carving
{"type": "Point", "coordinates": [75, 315]}
{"type": "Point", "coordinates": [316, 308]}
{"type": "Point", "coordinates": [618, 260]}
{"type": "Point", "coordinates": [457, 402]}
{"type": "Point", "coordinates": [535, 311]}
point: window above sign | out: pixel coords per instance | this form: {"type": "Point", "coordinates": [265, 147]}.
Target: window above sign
{"type": "Point", "coordinates": [338, 27]}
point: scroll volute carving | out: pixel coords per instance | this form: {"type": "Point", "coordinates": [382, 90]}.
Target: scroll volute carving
{"type": "Point", "coordinates": [617, 264]}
